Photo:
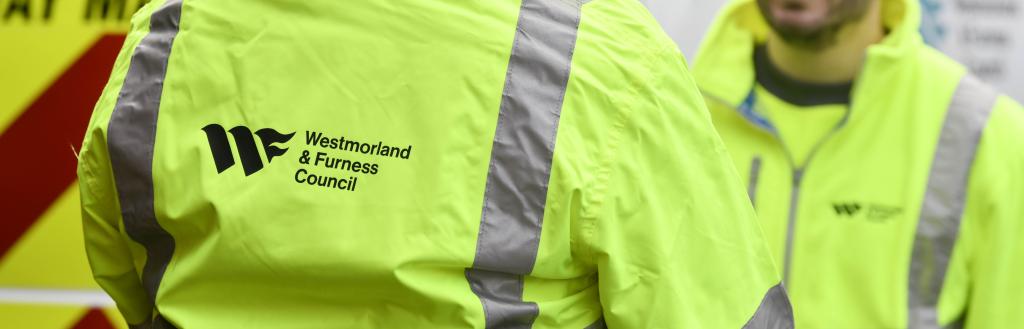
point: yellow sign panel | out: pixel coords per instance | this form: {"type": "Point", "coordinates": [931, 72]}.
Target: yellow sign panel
{"type": "Point", "coordinates": [46, 50]}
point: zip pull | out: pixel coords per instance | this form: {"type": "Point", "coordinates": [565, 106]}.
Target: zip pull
{"type": "Point", "coordinates": [755, 173]}
{"type": "Point", "coordinates": [798, 176]}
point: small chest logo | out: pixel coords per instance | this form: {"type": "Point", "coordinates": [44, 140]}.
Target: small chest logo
{"type": "Point", "coordinates": [872, 211]}
{"type": "Point", "coordinates": [846, 209]}
{"type": "Point", "coordinates": [248, 153]}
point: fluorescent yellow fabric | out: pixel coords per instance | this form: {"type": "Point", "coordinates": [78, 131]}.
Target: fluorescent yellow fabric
{"type": "Point", "coordinates": [799, 127]}
{"type": "Point", "coordinates": [849, 268]}
{"type": "Point", "coordinates": [645, 224]}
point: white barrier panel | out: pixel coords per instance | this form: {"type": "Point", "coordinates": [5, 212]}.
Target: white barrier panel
{"type": "Point", "coordinates": [985, 35]}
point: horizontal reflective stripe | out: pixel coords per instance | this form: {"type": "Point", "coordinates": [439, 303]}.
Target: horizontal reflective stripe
{"type": "Point", "coordinates": [83, 297]}
{"type": "Point", "coordinates": [945, 195]}
{"type": "Point", "coordinates": [775, 311]}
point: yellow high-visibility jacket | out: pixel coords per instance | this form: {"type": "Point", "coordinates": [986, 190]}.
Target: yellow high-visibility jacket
{"type": "Point", "coordinates": [416, 164]}
{"type": "Point", "coordinates": [910, 213]}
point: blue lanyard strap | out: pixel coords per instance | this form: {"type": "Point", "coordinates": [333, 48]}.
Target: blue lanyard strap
{"type": "Point", "coordinates": [747, 110]}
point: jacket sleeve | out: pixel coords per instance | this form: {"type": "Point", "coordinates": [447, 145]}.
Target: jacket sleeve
{"type": "Point", "coordinates": [677, 244]}
{"type": "Point", "coordinates": [113, 257]}
{"type": "Point", "coordinates": [989, 260]}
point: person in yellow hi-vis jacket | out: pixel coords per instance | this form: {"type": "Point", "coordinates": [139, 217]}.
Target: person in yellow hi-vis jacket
{"type": "Point", "coordinates": [416, 164]}
{"type": "Point", "coordinates": [888, 181]}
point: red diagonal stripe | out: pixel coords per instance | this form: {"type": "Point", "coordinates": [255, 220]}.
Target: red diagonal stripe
{"type": "Point", "coordinates": [36, 162]}
{"type": "Point", "coordinates": [94, 319]}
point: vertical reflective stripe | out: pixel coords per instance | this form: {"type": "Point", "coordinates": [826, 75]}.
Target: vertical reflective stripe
{"type": "Point", "coordinates": [520, 164]}
{"type": "Point", "coordinates": [755, 173]}
{"type": "Point", "coordinates": [775, 312]}
{"type": "Point", "coordinates": [944, 198]}
{"type": "Point", "coordinates": [130, 139]}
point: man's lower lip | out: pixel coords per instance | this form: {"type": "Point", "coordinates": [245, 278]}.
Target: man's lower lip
{"type": "Point", "coordinates": [788, 15]}
{"type": "Point", "coordinates": [801, 17]}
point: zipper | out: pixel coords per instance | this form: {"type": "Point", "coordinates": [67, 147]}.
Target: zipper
{"type": "Point", "coordinates": [794, 201]}
{"type": "Point", "coordinates": [797, 170]}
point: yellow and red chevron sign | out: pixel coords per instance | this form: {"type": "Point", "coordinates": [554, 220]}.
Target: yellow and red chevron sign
{"type": "Point", "coordinates": [55, 57]}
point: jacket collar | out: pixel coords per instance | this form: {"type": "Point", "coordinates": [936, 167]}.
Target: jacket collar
{"type": "Point", "coordinates": [724, 69]}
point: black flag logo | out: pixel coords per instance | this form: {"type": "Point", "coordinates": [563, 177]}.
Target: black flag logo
{"type": "Point", "coordinates": [246, 144]}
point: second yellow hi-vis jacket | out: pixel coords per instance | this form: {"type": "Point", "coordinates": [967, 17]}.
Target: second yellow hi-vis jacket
{"type": "Point", "coordinates": [910, 213]}
{"type": "Point", "coordinates": [415, 164]}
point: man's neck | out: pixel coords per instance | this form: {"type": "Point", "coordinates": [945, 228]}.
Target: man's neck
{"type": "Point", "coordinates": [837, 63]}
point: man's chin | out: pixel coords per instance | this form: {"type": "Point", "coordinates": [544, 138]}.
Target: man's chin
{"type": "Point", "coordinates": [800, 36]}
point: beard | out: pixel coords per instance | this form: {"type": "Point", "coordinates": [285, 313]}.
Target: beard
{"type": "Point", "coordinates": [818, 32]}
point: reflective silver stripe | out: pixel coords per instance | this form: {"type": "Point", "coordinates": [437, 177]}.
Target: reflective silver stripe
{"type": "Point", "coordinates": [944, 198]}
{"type": "Point", "coordinates": [520, 164]}
{"type": "Point", "coordinates": [775, 312]}
{"type": "Point", "coordinates": [130, 139]}
{"type": "Point", "coordinates": [502, 297]}
{"type": "Point", "coordinates": [755, 173]}
{"type": "Point", "coordinates": [599, 324]}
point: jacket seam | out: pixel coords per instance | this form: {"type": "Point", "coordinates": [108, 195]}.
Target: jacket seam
{"type": "Point", "coordinates": [604, 168]}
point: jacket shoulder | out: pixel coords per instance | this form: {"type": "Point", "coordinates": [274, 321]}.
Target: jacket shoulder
{"type": "Point", "coordinates": [623, 31]}
{"type": "Point", "coordinates": [622, 62]}
{"type": "Point", "coordinates": [1005, 127]}
{"type": "Point", "coordinates": [941, 66]}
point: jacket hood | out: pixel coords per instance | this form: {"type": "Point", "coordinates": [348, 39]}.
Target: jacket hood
{"type": "Point", "coordinates": [724, 68]}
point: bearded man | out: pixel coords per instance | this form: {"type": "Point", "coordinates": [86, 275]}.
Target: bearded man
{"type": "Point", "coordinates": [888, 181]}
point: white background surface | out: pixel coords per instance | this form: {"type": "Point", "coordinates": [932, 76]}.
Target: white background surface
{"type": "Point", "coordinates": [985, 35]}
